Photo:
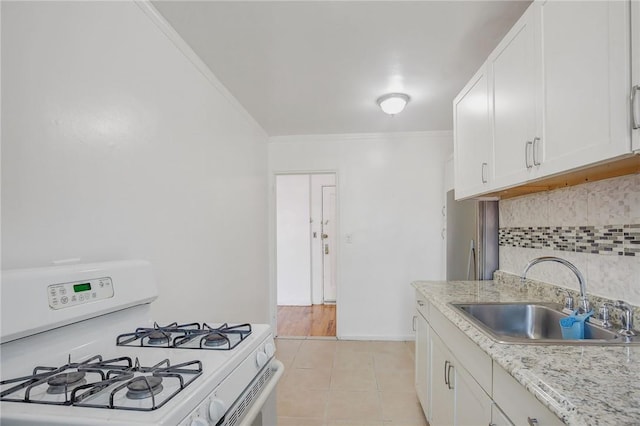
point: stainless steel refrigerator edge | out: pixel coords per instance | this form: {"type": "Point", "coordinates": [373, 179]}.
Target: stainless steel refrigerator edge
{"type": "Point", "coordinates": [472, 239]}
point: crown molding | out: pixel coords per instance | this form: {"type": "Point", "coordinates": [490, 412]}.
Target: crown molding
{"type": "Point", "coordinates": [373, 137]}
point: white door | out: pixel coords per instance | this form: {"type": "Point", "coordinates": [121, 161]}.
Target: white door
{"type": "Point", "coordinates": [328, 243]}
{"type": "Point", "coordinates": [293, 240]}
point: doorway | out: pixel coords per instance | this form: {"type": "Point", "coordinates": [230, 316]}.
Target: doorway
{"type": "Point", "coordinates": [306, 278]}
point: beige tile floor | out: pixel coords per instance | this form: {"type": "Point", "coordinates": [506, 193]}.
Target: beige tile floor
{"type": "Point", "coordinates": [330, 382]}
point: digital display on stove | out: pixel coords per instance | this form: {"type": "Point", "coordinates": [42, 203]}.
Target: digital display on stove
{"type": "Point", "coordinates": [81, 287]}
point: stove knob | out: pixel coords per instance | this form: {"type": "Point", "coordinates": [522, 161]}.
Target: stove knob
{"type": "Point", "coordinates": [261, 359]}
{"type": "Point", "coordinates": [198, 422]}
{"type": "Point", "coordinates": [269, 349]}
{"type": "Point", "coordinates": [217, 409]}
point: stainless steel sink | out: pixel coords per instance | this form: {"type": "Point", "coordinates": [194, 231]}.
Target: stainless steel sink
{"type": "Point", "coordinates": [531, 323]}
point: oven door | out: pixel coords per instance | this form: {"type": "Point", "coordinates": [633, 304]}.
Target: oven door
{"type": "Point", "coordinates": [257, 404]}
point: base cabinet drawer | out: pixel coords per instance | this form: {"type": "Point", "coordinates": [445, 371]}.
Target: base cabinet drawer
{"type": "Point", "coordinates": [520, 406]}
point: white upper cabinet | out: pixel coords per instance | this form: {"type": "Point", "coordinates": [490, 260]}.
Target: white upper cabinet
{"type": "Point", "coordinates": [472, 137]}
{"type": "Point", "coordinates": [513, 84]}
{"type": "Point", "coordinates": [558, 96]}
{"type": "Point", "coordinates": [584, 75]}
{"type": "Point", "coordinates": [635, 69]}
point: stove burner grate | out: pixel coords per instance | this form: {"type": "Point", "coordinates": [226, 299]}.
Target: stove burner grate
{"type": "Point", "coordinates": [104, 384]}
{"type": "Point", "coordinates": [139, 386]}
{"type": "Point", "coordinates": [184, 336]}
{"type": "Point", "coordinates": [64, 379]}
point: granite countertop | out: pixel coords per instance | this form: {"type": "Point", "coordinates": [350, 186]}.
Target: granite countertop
{"type": "Point", "coordinates": [582, 385]}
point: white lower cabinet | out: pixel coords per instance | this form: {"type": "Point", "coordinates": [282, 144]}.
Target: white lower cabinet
{"type": "Point", "coordinates": [520, 406]}
{"type": "Point", "coordinates": [498, 418]}
{"type": "Point", "coordinates": [472, 404]}
{"type": "Point", "coordinates": [456, 398]}
{"type": "Point", "coordinates": [422, 361]}
{"type": "Point", "coordinates": [442, 383]}
{"type": "Point", "coordinates": [458, 384]}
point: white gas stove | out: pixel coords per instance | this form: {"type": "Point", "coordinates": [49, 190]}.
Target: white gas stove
{"type": "Point", "coordinates": [79, 347]}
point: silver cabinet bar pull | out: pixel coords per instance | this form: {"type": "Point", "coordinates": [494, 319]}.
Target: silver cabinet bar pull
{"type": "Point", "coordinates": [484, 165]}
{"type": "Point", "coordinates": [445, 373]}
{"type": "Point", "coordinates": [634, 90]}
{"type": "Point", "coordinates": [532, 422]}
{"type": "Point", "coordinates": [535, 149]}
{"type": "Point", "coordinates": [526, 154]}
{"type": "Point", "coordinates": [449, 384]}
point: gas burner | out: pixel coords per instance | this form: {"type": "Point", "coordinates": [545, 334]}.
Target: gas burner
{"type": "Point", "coordinates": [62, 383]}
{"type": "Point", "coordinates": [187, 336]}
{"type": "Point", "coordinates": [214, 339]}
{"type": "Point", "coordinates": [144, 387]}
{"type": "Point", "coordinates": [158, 337]}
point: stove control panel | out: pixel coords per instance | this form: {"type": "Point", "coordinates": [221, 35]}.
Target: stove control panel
{"type": "Point", "coordinates": [78, 293]}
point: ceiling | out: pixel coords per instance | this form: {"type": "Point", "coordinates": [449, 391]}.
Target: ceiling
{"type": "Point", "coordinates": [317, 67]}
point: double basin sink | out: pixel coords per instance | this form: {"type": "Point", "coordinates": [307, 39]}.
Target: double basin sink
{"type": "Point", "coordinates": [533, 323]}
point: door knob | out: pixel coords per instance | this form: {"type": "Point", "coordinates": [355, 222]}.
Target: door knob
{"type": "Point", "coordinates": [324, 236]}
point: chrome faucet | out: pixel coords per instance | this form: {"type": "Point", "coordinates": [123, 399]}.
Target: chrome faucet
{"type": "Point", "coordinates": [626, 318]}
{"type": "Point", "coordinates": [584, 302]}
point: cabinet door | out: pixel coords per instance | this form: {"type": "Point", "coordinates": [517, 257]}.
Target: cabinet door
{"type": "Point", "coordinates": [512, 67]}
{"type": "Point", "coordinates": [422, 362]}
{"type": "Point", "coordinates": [498, 418]}
{"type": "Point", "coordinates": [442, 384]}
{"type": "Point", "coordinates": [584, 89]}
{"type": "Point", "coordinates": [519, 404]}
{"type": "Point", "coordinates": [635, 70]}
{"type": "Point", "coordinates": [472, 137]}
{"type": "Point", "coordinates": [472, 404]}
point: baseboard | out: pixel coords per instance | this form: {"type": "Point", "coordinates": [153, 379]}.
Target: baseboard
{"type": "Point", "coordinates": [379, 338]}
{"type": "Point", "coordinates": [306, 337]}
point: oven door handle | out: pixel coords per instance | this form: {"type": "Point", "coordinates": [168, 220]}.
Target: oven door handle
{"type": "Point", "coordinates": [257, 405]}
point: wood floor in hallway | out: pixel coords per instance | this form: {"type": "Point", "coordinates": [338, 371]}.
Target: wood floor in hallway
{"type": "Point", "coordinates": [314, 320]}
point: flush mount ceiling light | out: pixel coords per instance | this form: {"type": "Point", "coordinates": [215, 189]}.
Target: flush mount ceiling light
{"type": "Point", "coordinates": [393, 103]}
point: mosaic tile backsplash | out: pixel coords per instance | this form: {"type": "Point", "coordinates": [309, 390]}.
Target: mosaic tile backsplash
{"type": "Point", "coordinates": [623, 240]}
{"type": "Point", "coordinates": [596, 226]}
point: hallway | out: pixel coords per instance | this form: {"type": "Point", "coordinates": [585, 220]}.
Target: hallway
{"type": "Point", "coordinates": [304, 321]}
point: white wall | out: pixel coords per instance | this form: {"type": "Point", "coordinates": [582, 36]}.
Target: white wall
{"type": "Point", "coordinates": [293, 239]}
{"type": "Point", "coordinates": [387, 187]}
{"type": "Point", "coordinates": [115, 145]}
